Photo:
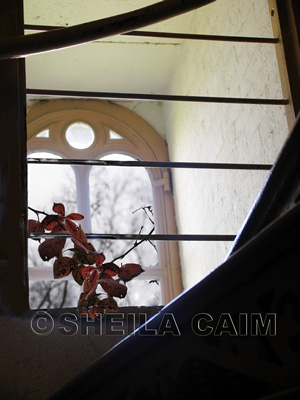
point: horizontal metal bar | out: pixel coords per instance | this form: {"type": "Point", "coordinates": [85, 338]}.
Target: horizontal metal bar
{"type": "Point", "coordinates": [156, 97]}
{"type": "Point", "coordinates": [150, 164]}
{"type": "Point", "coordinates": [175, 35]}
{"type": "Point", "coordinates": [26, 45]}
{"type": "Point", "coordinates": [190, 36]}
{"type": "Point", "coordinates": [153, 237]}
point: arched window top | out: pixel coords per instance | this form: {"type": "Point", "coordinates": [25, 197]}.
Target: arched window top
{"type": "Point", "coordinates": [114, 126]}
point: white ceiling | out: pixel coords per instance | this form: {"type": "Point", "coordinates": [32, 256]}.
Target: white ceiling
{"type": "Point", "coordinates": [118, 64]}
{"type": "Point", "coordinates": [71, 12]}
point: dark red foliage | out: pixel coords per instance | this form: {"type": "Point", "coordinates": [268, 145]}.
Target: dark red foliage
{"type": "Point", "coordinates": [50, 248]}
{"type": "Point", "coordinates": [35, 226]}
{"type": "Point", "coordinates": [129, 271]}
{"type": "Point", "coordinates": [86, 266]}
{"type": "Point", "coordinates": [112, 287]}
{"type": "Point", "coordinates": [59, 209]}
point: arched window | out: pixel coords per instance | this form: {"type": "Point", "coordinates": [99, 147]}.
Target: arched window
{"type": "Point", "coordinates": [91, 130]}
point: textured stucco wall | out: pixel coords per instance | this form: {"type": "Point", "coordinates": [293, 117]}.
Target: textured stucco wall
{"type": "Point", "coordinates": [214, 201]}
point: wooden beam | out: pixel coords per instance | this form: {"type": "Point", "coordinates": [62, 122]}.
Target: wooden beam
{"type": "Point", "coordinates": [13, 175]}
{"type": "Point", "coordinates": [23, 46]}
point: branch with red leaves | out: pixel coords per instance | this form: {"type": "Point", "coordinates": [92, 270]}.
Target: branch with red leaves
{"type": "Point", "coordinates": [87, 265]}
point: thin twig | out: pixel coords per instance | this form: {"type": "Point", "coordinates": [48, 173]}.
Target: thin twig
{"type": "Point", "coordinates": [134, 246]}
{"type": "Point", "coordinates": [64, 294]}
{"type": "Point", "coordinates": [152, 244]}
{"type": "Point", "coordinates": [149, 208]}
{"type": "Point", "coordinates": [37, 212]}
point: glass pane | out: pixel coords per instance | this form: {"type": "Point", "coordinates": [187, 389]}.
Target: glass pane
{"type": "Point", "coordinates": [115, 136]}
{"type": "Point", "coordinates": [142, 293]}
{"type": "Point", "coordinates": [80, 135]}
{"type": "Point", "coordinates": [47, 184]}
{"type": "Point", "coordinates": [53, 294]}
{"type": "Point", "coordinates": [50, 183]}
{"type": "Point", "coordinates": [44, 134]}
{"type": "Point", "coordinates": [121, 202]}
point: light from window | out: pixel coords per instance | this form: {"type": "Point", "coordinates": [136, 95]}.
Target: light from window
{"type": "Point", "coordinates": [118, 195]}
{"type": "Point", "coordinates": [53, 293]}
{"type": "Point", "coordinates": [48, 184]}
{"type": "Point", "coordinates": [43, 134]}
{"type": "Point", "coordinates": [114, 136]}
{"type": "Point", "coordinates": [80, 136]}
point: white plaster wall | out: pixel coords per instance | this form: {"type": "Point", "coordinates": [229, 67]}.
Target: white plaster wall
{"type": "Point", "coordinates": [151, 111]}
{"type": "Point", "coordinates": [214, 201]}
{"type": "Point", "coordinates": [71, 12]}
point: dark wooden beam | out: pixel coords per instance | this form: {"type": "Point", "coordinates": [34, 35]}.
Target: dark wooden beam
{"type": "Point", "coordinates": [289, 18]}
{"type": "Point", "coordinates": [13, 175]}
{"type": "Point", "coordinates": [23, 46]}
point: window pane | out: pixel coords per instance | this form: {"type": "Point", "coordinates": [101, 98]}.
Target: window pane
{"type": "Point", "coordinates": [53, 294]}
{"type": "Point", "coordinates": [118, 195]}
{"type": "Point", "coordinates": [48, 184]}
{"type": "Point", "coordinates": [80, 135]}
{"type": "Point", "coordinates": [44, 134]}
{"type": "Point", "coordinates": [114, 136]}
{"type": "Point", "coordinates": [142, 293]}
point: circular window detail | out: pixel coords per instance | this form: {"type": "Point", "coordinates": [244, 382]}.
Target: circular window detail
{"type": "Point", "coordinates": [80, 135]}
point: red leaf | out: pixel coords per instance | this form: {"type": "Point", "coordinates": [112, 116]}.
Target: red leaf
{"type": "Point", "coordinates": [77, 275]}
{"type": "Point", "coordinates": [35, 226]}
{"type": "Point", "coordinates": [94, 277]}
{"type": "Point", "coordinates": [109, 268]}
{"type": "Point", "coordinates": [72, 227]}
{"type": "Point", "coordinates": [82, 306]}
{"type": "Point", "coordinates": [63, 267]}
{"type": "Point", "coordinates": [59, 208]}
{"type": "Point", "coordinates": [129, 271]}
{"type": "Point", "coordinates": [86, 271]}
{"type": "Point", "coordinates": [76, 231]}
{"type": "Point", "coordinates": [90, 285]}
{"type": "Point", "coordinates": [113, 288]}
{"type": "Point", "coordinates": [82, 254]}
{"type": "Point", "coordinates": [99, 258]}
{"type": "Point", "coordinates": [96, 312]}
{"type": "Point", "coordinates": [80, 247]}
{"type": "Point", "coordinates": [50, 221]}
{"type": "Point", "coordinates": [59, 228]}
{"type": "Point", "coordinates": [109, 304]}
{"type": "Point", "coordinates": [80, 235]}
{"type": "Point", "coordinates": [106, 277]}
{"type": "Point", "coordinates": [75, 216]}
{"type": "Point", "coordinates": [50, 248]}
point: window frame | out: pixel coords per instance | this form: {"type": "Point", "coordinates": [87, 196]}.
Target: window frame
{"type": "Point", "coordinates": [140, 140]}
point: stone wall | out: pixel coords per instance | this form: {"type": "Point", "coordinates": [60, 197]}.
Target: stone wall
{"type": "Point", "coordinates": [215, 201]}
